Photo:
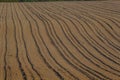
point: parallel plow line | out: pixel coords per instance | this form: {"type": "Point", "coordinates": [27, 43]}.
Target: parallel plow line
{"type": "Point", "coordinates": [59, 41]}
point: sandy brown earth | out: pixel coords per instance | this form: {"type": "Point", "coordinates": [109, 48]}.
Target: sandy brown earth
{"type": "Point", "coordinates": [60, 41]}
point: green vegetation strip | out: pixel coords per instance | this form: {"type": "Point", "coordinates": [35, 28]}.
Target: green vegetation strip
{"type": "Point", "coordinates": [39, 0]}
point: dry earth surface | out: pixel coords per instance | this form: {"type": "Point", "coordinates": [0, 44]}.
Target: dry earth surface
{"type": "Point", "coordinates": [60, 41]}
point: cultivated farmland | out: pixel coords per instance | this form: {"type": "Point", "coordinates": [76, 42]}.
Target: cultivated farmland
{"type": "Point", "coordinates": [60, 41]}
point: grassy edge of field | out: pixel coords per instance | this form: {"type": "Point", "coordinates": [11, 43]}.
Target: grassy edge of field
{"type": "Point", "coordinates": [42, 0]}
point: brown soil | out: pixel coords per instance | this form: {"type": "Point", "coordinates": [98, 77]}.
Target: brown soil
{"type": "Point", "coordinates": [60, 41]}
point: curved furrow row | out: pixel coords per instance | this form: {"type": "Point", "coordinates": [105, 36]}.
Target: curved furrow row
{"type": "Point", "coordinates": [87, 11]}
{"type": "Point", "coordinates": [2, 41]}
{"type": "Point", "coordinates": [44, 57]}
{"type": "Point", "coordinates": [49, 50]}
{"type": "Point", "coordinates": [105, 18]}
{"type": "Point", "coordinates": [69, 39]}
{"type": "Point", "coordinates": [49, 35]}
{"type": "Point", "coordinates": [20, 40]}
{"type": "Point", "coordinates": [4, 63]}
{"type": "Point", "coordinates": [78, 9]}
{"type": "Point", "coordinates": [92, 18]}
{"type": "Point", "coordinates": [38, 73]}
{"type": "Point", "coordinates": [116, 46]}
{"type": "Point", "coordinates": [60, 41]}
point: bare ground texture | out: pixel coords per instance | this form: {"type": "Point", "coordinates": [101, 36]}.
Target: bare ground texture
{"type": "Point", "coordinates": [60, 41]}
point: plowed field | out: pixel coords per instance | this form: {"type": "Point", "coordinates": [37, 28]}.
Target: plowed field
{"type": "Point", "coordinates": [60, 41]}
